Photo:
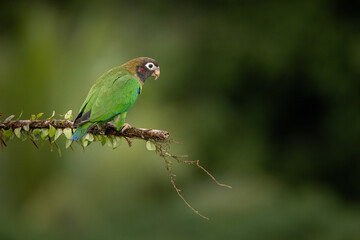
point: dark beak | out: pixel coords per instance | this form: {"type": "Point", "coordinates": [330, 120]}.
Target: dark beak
{"type": "Point", "coordinates": [156, 73]}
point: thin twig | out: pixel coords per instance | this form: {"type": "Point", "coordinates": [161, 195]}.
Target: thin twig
{"type": "Point", "coordinates": [162, 150]}
{"type": "Point", "coordinates": [32, 140]}
{"type": "Point", "coordinates": [58, 148]}
{"type": "Point", "coordinates": [51, 146]}
{"type": "Point", "coordinates": [72, 149]}
{"type": "Point", "coordinates": [2, 142]}
{"type": "Point", "coordinates": [198, 165]}
{"type": "Point", "coordinates": [168, 168]}
{"type": "Point", "coordinates": [212, 177]}
{"type": "Point", "coordinates": [128, 141]}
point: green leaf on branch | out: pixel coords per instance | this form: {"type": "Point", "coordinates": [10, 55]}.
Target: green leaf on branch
{"type": "Point", "coordinates": [68, 115]}
{"type": "Point", "coordinates": [67, 133]}
{"type": "Point", "coordinates": [27, 127]}
{"type": "Point", "coordinates": [52, 131]}
{"type": "Point", "coordinates": [19, 116]}
{"type": "Point", "coordinates": [150, 146]}
{"type": "Point", "coordinates": [104, 140]}
{"type": "Point", "coordinates": [85, 142]}
{"type": "Point", "coordinates": [116, 141]}
{"type": "Point", "coordinates": [36, 131]}
{"type": "Point", "coordinates": [109, 142]}
{"type": "Point", "coordinates": [8, 133]}
{"type": "Point", "coordinates": [17, 132]}
{"type": "Point", "coordinates": [52, 115]}
{"type": "Point", "coordinates": [68, 143]}
{"type": "Point", "coordinates": [44, 133]}
{"type": "Point", "coordinates": [98, 137]}
{"type": "Point", "coordinates": [39, 115]}
{"type": "Point", "coordinates": [24, 136]}
{"type": "Point", "coordinates": [57, 134]}
{"type": "Point", "coordinates": [89, 137]}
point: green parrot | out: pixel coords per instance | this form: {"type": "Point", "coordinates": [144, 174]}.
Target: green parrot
{"type": "Point", "coordinates": [113, 94]}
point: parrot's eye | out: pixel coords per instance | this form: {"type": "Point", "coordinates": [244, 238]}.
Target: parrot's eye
{"type": "Point", "coordinates": [150, 66]}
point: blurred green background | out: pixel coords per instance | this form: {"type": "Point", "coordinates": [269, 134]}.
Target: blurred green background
{"type": "Point", "coordinates": [264, 93]}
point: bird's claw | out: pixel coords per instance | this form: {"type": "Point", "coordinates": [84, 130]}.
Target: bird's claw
{"type": "Point", "coordinates": [125, 127]}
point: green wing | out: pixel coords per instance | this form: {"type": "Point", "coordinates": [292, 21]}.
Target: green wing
{"type": "Point", "coordinates": [115, 92]}
{"type": "Point", "coordinates": [115, 98]}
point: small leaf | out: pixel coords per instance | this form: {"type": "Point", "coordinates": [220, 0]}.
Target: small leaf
{"type": "Point", "coordinates": [17, 132]}
{"type": "Point", "coordinates": [150, 146]}
{"type": "Point", "coordinates": [68, 115]}
{"type": "Point", "coordinates": [27, 127]}
{"type": "Point", "coordinates": [116, 142]}
{"type": "Point", "coordinates": [68, 143]}
{"type": "Point", "coordinates": [8, 133]}
{"type": "Point", "coordinates": [36, 131]}
{"type": "Point", "coordinates": [57, 134]}
{"type": "Point", "coordinates": [52, 115]}
{"type": "Point", "coordinates": [33, 117]}
{"type": "Point", "coordinates": [35, 138]}
{"type": "Point", "coordinates": [85, 143]}
{"type": "Point", "coordinates": [44, 133]}
{"type": "Point", "coordinates": [67, 133]}
{"type": "Point", "coordinates": [39, 115]}
{"type": "Point", "coordinates": [98, 137]}
{"type": "Point", "coordinates": [109, 141]}
{"type": "Point", "coordinates": [86, 136]}
{"type": "Point", "coordinates": [85, 140]}
{"type": "Point", "coordinates": [24, 135]}
{"type": "Point", "coordinates": [52, 131]}
{"type": "Point", "coordinates": [19, 116]}
{"type": "Point", "coordinates": [8, 119]}
{"type": "Point", "coordinates": [89, 137]}
{"type": "Point", "coordinates": [104, 140]}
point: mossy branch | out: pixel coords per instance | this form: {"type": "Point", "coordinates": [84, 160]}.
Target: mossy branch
{"type": "Point", "coordinates": [50, 130]}
{"type": "Point", "coordinates": [131, 132]}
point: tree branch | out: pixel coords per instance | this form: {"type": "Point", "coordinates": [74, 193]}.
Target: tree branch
{"type": "Point", "coordinates": [131, 132]}
{"type": "Point", "coordinates": [50, 129]}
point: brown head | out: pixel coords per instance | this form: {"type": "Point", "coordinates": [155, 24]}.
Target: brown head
{"type": "Point", "coordinates": [142, 68]}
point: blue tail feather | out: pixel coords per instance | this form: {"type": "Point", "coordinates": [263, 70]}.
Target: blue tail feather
{"type": "Point", "coordinates": [81, 131]}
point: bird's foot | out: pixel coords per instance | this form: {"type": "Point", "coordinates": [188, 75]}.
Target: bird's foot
{"type": "Point", "coordinates": [125, 127]}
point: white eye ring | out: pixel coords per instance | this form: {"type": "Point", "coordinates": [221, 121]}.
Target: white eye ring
{"type": "Point", "coordinates": [150, 66]}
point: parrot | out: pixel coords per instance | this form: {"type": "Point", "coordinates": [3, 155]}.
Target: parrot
{"type": "Point", "coordinates": [113, 94]}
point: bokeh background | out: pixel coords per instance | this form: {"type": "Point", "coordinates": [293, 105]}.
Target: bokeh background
{"type": "Point", "coordinates": [264, 93]}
